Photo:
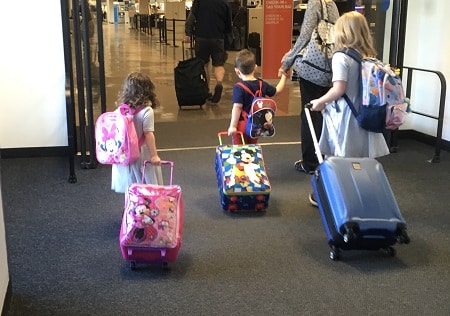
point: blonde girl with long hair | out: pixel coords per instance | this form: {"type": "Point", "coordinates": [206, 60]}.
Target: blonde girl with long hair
{"type": "Point", "coordinates": [340, 125]}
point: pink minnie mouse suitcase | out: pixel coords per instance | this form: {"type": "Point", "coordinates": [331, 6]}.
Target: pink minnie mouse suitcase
{"type": "Point", "coordinates": [152, 222]}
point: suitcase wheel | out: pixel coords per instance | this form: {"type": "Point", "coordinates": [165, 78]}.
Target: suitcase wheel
{"type": "Point", "coordinates": [403, 239]}
{"type": "Point", "coordinates": [259, 207]}
{"type": "Point", "coordinates": [164, 265]}
{"type": "Point", "coordinates": [181, 105]}
{"type": "Point", "coordinates": [335, 253]}
{"type": "Point", "coordinates": [390, 251]}
{"type": "Point", "coordinates": [402, 235]}
{"type": "Point", "coordinates": [349, 232]}
{"type": "Point", "coordinates": [349, 236]}
{"type": "Point", "coordinates": [260, 198]}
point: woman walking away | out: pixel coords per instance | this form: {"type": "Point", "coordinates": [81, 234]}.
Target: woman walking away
{"type": "Point", "coordinates": [309, 90]}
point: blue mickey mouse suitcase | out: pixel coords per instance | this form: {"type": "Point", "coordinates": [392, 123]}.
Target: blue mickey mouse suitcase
{"type": "Point", "coordinates": [356, 203]}
{"type": "Point", "coordinates": [241, 176]}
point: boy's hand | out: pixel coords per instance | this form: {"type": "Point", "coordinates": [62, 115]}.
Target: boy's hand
{"type": "Point", "coordinates": [232, 131]}
{"type": "Point", "coordinates": [282, 72]}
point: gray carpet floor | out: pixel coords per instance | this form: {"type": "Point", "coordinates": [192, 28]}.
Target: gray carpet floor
{"type": "Point", "coordinates": [64, 254]}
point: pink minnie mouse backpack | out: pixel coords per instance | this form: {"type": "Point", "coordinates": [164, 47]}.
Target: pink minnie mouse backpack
{"type": "Point", "coordinates": [116, 138]}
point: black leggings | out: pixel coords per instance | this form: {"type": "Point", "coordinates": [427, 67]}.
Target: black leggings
{"type": "Point", "coordinates": [310, 91]}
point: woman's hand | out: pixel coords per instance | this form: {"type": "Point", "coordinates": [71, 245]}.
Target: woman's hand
{"type": "Point", "coordinates": [284, 56]}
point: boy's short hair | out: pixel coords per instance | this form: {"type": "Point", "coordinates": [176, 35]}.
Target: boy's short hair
{"type": "Point", "coordinates": [245, 61]}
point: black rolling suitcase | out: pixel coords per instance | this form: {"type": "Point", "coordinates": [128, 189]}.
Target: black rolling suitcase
{"type": "Point", "coordinates": [254, 45]}
{"type": "Point", "coordinates": [191, 86]}
{"type": "Point", "coordinates": [254, 40]}
{"type": "Point", "coordinates": [357, 205]}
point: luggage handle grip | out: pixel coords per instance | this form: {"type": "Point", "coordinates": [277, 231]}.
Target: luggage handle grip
{"type": "Point", "coordinates": [224, 133]}
{"type": "Point", "coordinates": [158, 171]}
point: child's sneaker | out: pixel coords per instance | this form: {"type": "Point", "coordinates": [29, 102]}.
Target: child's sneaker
{"type": "Point", "coordinates": [299, 165]}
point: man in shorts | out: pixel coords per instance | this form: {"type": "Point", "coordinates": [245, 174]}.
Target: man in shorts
{"type": "Point", "coordinates": [210, 22]}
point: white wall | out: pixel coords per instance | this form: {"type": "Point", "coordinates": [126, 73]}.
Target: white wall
{"type": "Point", "coordinates": [428, 47]}
{"type": "Point", "coordinates": [32, 89]}
{"type": "Point", "coordinates": [32, 77]}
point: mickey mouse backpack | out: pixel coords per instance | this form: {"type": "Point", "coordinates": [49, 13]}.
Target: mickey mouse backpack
{"type": "Point", "coordinates": [116, 138]}
{"type": "Point", "coordinates": [261, 115]}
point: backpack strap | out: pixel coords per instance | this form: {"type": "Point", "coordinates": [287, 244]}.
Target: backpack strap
{"type": "Point", "coordinates": [258, 93]}
{"type": "Point", "coordinates": [125, 109]}
{"type": "Point", "coordinates": [353, 53]}
{"type": "Point", "coordinates": [324, 10]}
{"type": "Point", "coordinates": [254, 94]}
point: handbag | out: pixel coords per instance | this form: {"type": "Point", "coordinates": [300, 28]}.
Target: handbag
{"type": "Point", "coordinates": [314, 62]}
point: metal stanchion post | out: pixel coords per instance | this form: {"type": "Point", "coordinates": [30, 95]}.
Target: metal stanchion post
{"type": "Point", "coordinates": [173, 32]}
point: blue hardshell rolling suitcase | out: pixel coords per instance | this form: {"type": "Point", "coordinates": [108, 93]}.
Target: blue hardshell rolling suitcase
{"type": "Point", "coordinates": [242, 180]}
{"type": "Point", "coordinates": [357, 205]}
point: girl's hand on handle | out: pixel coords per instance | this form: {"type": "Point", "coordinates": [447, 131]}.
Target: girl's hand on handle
{"type": "Point", "coordinates": [155, 160]}
{"type": "Point", "coordinates": [316, 105]}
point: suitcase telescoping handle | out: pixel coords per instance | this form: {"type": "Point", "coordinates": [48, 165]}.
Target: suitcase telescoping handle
{"type": "Point", "coordinates": [191, 49]}
{"type": "Point", "coordinates": [159, 171]}
{"type": "Point", "coordinates": [220, 134]}
{"type": "Point", "coordinates": [313, 133]}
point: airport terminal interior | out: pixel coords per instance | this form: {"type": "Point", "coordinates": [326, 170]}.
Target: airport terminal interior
{"type": "Point", "coordinates": [62, 237]}
{"type": "Point", "coordinates": [149, 39]}
{"type": "Point", "coordinates": [158, 60]}
{"type": "Point", "coordinates": [133, 48]}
